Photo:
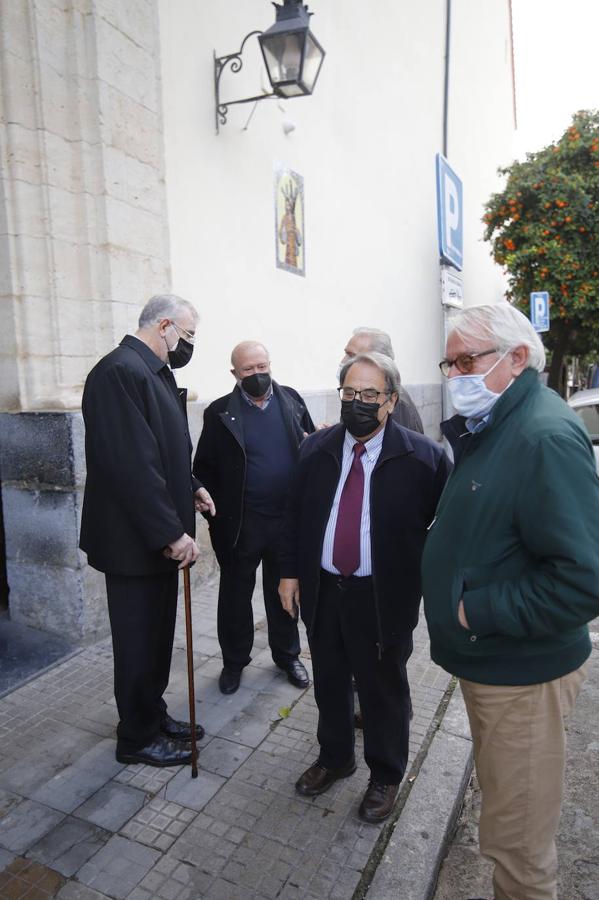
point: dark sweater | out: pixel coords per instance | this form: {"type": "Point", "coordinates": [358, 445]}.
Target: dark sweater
{"type": "Point", "coordinates": [270, 457]}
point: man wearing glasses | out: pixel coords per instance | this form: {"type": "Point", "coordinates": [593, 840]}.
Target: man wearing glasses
{"type": "Point", "coordinates": [364, 494]}
{"type": "Point", "coordinates": [138, 520]}
{"type": "Point", "coordinates": [510, 579]}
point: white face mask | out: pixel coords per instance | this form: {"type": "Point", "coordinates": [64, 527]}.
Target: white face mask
{"type": "Point", "coordinates": [470, 395]}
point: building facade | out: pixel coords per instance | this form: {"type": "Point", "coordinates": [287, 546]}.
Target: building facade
{"type": "Point", "coordinates": [116, 186]}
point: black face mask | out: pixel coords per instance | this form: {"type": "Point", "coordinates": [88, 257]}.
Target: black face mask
{"type": "Point", "coordinates": [256, 385]}
{"type": "Point", "coordinates": [181, 355]}
{"type": "Point", "coordinates": [360, 418]}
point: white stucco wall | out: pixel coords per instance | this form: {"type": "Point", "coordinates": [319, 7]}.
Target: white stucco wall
{"type": "Point", "coordinates": [365, 143]}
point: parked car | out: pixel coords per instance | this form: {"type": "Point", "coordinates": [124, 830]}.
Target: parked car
{"type": "Point", "coordinates": [586, 405]}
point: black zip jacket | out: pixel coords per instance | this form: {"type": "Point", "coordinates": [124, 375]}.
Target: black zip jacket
{"type": "Point", "coordinates": [220, 459]}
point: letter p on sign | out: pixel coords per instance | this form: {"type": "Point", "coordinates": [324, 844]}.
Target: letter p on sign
{"type": "Point", "coordinates": [449, 214]}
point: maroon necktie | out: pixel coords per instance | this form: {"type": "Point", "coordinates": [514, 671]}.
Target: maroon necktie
{"type": "Point", "coordinates": [346, 546]}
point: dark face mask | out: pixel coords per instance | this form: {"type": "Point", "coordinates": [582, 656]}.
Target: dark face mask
{"type": "Point", "coordinates": [360, 418]}
{"type": "Point", "coordinates": [181, 355]}
{"type": "Point", "coordinates": [256, 385]}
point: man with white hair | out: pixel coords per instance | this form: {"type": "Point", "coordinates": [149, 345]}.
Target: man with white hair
{"type": "Point", "coordinates": [373, 340]}
{"type": "Point", "coordinates": [510, 580]}
{"type": "Point", "coordinates": [138, 520]}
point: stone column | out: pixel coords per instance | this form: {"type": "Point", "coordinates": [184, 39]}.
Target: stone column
{"type": "Point", "coordinates": [83, 243]}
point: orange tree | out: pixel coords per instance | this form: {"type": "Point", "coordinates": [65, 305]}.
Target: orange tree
{"type": "Point", "coordinates": [544, 229]}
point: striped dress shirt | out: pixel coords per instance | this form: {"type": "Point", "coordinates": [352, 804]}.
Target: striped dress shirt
{"type": "Point", "coordinates": [369, 460]}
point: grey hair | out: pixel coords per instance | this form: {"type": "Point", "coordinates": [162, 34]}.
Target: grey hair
{"type": "Point", "coordinates": [503, 325]}
{"type": "Point", "coordinates": [381, 362]}
{"type": "Point", "coordinates": [163, 306]}
{"type": "Point", "coordinates": [380, 342]}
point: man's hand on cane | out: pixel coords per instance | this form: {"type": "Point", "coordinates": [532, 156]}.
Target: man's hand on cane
{"type": "Point", "coordinates": [184, 550]}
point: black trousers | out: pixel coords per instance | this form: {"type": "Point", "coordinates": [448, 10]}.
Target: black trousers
{"type": "Point", "coordinates": [142, 612]}
{"type": "Point", "coordinates": [257, 544]}
{"type": "Point", "coordinates": [344, 641]}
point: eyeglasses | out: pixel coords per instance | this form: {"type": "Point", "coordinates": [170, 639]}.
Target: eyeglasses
{"type": "Point", "coordinates": [464, 362]}
{"type": "Point", "coordinates": [187, 335]}
{"type": "Point", "coordinates": [368, 395]}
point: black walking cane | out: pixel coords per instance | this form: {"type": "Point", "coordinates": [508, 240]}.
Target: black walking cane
{"type": "Point", "coordinates": [191, 685]}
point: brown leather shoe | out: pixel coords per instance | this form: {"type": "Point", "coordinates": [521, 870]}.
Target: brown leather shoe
{"type": "Point", "coordinates": [378, 801]}
{"type": "Point", "coordinates": [316, 780]}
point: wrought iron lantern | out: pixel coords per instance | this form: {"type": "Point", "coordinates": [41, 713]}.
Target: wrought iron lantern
{"type": "Point", "coordinates": [292, 56]}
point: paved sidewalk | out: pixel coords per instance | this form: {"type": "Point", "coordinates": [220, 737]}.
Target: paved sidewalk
{"type": "Point", "coordinates": [74, 823]}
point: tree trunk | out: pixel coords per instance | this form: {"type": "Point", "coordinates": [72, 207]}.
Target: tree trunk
{"type": "Point", "coordinates": [555, 379]}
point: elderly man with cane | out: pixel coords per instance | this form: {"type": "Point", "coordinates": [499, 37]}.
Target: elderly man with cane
{"type": "Point", "coordinates": [138, 520]}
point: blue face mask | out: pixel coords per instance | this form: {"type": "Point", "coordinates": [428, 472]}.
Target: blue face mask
{"type": "Point", "coordinates": [470, 396]}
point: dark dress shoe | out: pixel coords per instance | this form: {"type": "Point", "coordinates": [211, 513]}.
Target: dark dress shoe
{"type": "Point", "coordinates": [179, 731]}
{"type": "Point", "coordinates": [316, 780]}
{"type": "Point", "coordinates": [296, 673]}
{"type": "Point", "coordinates": [161, 752]}
{"type": "Point", "coordinates": [378, 801]}
{"type": "Point", "coordinates": [229, 680]}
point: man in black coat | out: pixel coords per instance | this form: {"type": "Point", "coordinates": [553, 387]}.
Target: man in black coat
{"type": "Point", "coordinates": [363, 496]}
{"type": "Point", "coordinates": [373, 340]}
{"type": "Point", "coordinates": [138, 520]}
{"type": "Point", "coordinates": [245, 457]}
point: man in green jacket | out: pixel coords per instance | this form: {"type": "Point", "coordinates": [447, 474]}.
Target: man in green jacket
{"type": "Point", "coordinates": [510, 579]}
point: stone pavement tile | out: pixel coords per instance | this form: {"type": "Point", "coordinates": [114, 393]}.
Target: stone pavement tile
{"type": "Point", "coordinates": [223, 757]}
{"type": "Point", "coordinates": [258, 678]}
{"type": "Point", "coordinates": [171, 879]}
{"type": "Point", "coordinates": [159, 824]}
{"type": "Point", "coordinates": [28, 879]}
{"type": "Point", "coordinates": [26, 824]}
{"type": "Point", "coordinates": [194, 793]}
{"type": "Point", "coordinates": [118, 867]}
{"type": "Point", "coordinates": [35, 764]}
{"type": "Point", "coordinates": [69, 846]}
{"type": "Point", "coordinates": [150, 779]}
{"type": "Point", "coordinates": [5, 859]}
{"type": "Point", "coordinates": [251, 726]}
{"type": "Point", "coordinates": [75, 891]}
{"type": "Point", "coordinates": [8, 801]}
{"type": "Point", "coordinates": [70, 788]}
{"type": "Point", "coordinates": [112, 806]}
{"type": "Point", "coordinates": [215, 714]}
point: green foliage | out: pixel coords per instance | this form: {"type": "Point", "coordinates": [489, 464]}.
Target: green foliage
{"type": "Point", "coordinates": [544, 229]}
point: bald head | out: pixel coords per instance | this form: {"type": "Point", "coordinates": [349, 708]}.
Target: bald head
{"type": "Point", "coordinates": [249, 357]}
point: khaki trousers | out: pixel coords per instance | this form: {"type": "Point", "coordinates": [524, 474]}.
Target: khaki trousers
{"type": "Point", "coordinates": [519, 743]}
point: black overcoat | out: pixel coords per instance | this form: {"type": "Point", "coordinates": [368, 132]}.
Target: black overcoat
{"type": "Point", "coordinates": [220, 459]}
{"type": "Point", "coordinates": [139, 488]}
{"type": "Point", "coordinates": [404, 490]}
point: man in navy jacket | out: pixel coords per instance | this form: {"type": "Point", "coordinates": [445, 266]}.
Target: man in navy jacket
{"type": "Point", "coordinates": [245, 457]}
{"type": "Point", "coordinates": [364, 495]}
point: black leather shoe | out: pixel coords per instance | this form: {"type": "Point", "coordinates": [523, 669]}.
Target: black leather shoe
{"type": "Point", "coordinates": [378, 801]}
{"type": "Point", "coordinates": [161, 752]}
{"type": "Point", "coordinates": [229, 680]}
{"type": "Point", "coordinates": [296, 673]}
{"type": "Point", "coordinates": [316, 780]}
{"type": "Point", "coordinates": [179, 731]}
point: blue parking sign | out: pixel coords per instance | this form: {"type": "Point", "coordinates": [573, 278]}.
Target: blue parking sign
{"type": "Point", "coordinates": [450, 217]}
{"type": "Point", "coordinates": [539, 310]}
